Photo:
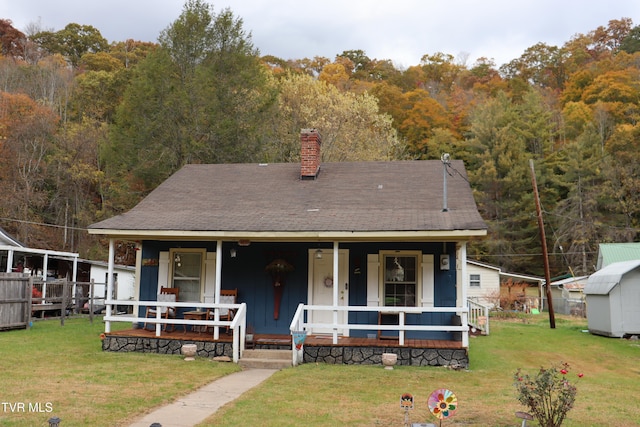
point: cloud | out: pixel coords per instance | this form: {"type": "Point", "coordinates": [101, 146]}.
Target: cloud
{"type": "Point", "coordinates": [400, 30]}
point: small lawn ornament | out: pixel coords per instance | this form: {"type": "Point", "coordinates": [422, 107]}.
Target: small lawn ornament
{"type": "Point", "coordinates": [442, 403]}
{"type": "Point", "coordinates": [298, 338]}
{"type": "Point", "coordinates": [406, 403]}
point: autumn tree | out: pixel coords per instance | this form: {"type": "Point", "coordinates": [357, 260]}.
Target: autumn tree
{"type": "Point", "coordinates": [352, 128]}
{"type": "Point", "coordinates": [75, 182]}
{"type": "Point", "coordinates": [423, 115]}
{"type": "Point", "coordinates": [131, 52]}
{"type": "Point", "coordinates": [26, 130]}
{"type": "Point", "coordinates": [12, 41]}
{"type": "Point", "coordinates": [72, 42]}
{"type": "Point", "coordinates": [440, 72]}
{"type": "Point", "coordinates": [541, 65]}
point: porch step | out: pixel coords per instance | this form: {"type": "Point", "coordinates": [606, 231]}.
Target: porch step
{"type": "Point", "coordinates": [266, 359]}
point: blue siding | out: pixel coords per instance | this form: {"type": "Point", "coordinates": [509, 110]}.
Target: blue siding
{"type": "Point", "coordinates": [246, 272]}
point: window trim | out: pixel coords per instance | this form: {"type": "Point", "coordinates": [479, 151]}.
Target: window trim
{"type": "Point", "coordinates": [475, 283]}
{"type": "Point", "coordinates": [382, 273]}
{"type": "Point", "coordinates": [203, 254]}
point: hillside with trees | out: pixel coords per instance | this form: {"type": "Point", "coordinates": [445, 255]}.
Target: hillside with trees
{"type": "Point", "coordinates": [88, 127]}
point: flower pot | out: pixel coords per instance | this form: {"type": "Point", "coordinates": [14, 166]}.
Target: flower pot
{"type": "Point", "coordinates": [189, 351]}
{"type": "Point", "coordinates": [389, 360]}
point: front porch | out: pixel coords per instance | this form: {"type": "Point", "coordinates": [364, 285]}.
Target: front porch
{"type": "Point", "coordinates": [317, 348]}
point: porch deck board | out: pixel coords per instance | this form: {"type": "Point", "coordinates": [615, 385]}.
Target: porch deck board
{"type": "Point", "coordinates": [311, 340]}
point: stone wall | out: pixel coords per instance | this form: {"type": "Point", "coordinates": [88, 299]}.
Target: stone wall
{"type": "Point", "coordinates": [343, 355]}
{"type": "Point", "coordinates": [164, 346]}
{"type": "Point", "coordinates": [458, 359]}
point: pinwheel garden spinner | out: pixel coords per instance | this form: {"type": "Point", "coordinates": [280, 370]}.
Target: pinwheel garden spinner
{"type": "Point", "coordinates": [442, 403]}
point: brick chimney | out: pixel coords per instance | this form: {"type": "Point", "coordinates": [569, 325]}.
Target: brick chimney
{"type": "Point", "coordinates": [310, 153]}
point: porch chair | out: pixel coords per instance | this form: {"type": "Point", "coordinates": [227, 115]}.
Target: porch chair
{"type": "Point", "coordinates": [165, 295]}
{"type": "Point", "coordinates": [227, 296]}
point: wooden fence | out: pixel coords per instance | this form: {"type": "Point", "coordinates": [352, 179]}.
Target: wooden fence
{"type": "Point", "coordinates": [24, 297]}
{"type": "Point", "coordinates": [15, 300]}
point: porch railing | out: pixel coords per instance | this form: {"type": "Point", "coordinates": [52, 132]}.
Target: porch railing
{"type": "Point", "coordinates": [303, 312]}
{"type": "Point", "coordinates": [237, 325]}
{"type": "Point", "coordinates": [479, 316]}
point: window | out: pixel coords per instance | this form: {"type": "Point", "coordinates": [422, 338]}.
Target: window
{"type": "Point", "coordinates": [474, 280]}
{"type": "Point", "coordinates": [400, 279]}
{"type": "Point", "coordinates": [187, 273]}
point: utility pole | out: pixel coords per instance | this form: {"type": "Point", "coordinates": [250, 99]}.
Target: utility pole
{"type": "Point", "coordinates": [543, 239]}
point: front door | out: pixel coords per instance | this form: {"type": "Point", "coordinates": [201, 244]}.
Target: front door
{"type": "Point", "coordinates": [321, 288]}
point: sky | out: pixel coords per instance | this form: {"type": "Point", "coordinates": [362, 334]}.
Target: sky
{"type": "Point", "coordinates": [398, 30]}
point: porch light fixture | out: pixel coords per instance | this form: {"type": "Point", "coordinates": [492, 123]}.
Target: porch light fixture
{"type": "Point", "coordinates": [244, 242]}
{"type": "Point", "coordinates": [318, 253]}
{"type": "Point", "coordinates": [233, 252]}
{"type": "Point", "coordinates": [177, 261]}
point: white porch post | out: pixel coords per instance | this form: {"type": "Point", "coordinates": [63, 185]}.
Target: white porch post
{"type": "Point", "coordinates": [136, 283]}
{"type": "Point", "coordinates": [462, 256]}
{"type": "Point", "coordinates": [9, 260]}
{"type": "Point", "coordinates": [336, 285]}
{"type": "Point", "coordinates": [75, 269]}
{"type": "Point", "coordinates": [216, 329]}
{"type": "Point", "coordinates": [112, 253]}
{"type": "Point", "coordinates": [45, 267]}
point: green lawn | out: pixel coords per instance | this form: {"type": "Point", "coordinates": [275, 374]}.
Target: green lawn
{"type": "Point", "coordinates": [65, 370]}
{"type": "Point", "coordinates": [327, 395]}
{"type": "Point", "coordinates": [52, 370]}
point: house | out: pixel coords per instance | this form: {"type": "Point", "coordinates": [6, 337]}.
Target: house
{"type": "Point", "coordinates": [49, 265]}
{"type": "Point", "coordinates": [484, 283]}
{"type": "Point", "coordinates": [123, 281]}
{"type": "Point", "coordinates": [490, 285]}
{"type": "Point", "coordinates": [358, 240]}
{"type": "Point", "coordinates": [568, 295]}
{"type": "Point", "coordinates": [612, 295]}
{"type": "Point", "coordinates": [44, 263]}
{"type": "Point", "coordinates": [7, 240]}
{"type": "Point", "coordinates": [609, 253]}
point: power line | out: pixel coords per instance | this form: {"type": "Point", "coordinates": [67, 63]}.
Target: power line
{"type": "Point", "coordinates": [42, 224]}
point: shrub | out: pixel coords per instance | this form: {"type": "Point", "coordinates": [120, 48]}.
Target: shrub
{"type": "Point", "coordinates": [549, 395]}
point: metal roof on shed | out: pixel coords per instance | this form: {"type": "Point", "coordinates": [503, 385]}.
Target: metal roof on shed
{"type": "Point", "coordinates": [608, 253]}
{"type": "Point", "coordinates": [603, 281]}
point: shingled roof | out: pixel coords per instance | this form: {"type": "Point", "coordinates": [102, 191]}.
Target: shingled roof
{"type": "Point", "coordinates": [272, 199]}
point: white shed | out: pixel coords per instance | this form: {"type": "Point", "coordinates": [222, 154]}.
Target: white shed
{"type": "Point", "coordinates": [613, 300]}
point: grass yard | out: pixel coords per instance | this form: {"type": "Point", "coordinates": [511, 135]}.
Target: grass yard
{"type": "Point", "coordinates": [327, 395]}
{"type": "Point", "coordinates": [52, 370]}
{"type": "Point", "coordinates": [65, 370]}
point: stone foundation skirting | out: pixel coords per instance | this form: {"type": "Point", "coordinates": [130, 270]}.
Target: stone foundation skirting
{"type": "Point", "coordinates": [164, 346]}
{"type": "Point", "coordinates": [344, 355]}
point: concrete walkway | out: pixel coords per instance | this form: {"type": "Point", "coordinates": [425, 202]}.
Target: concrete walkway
{"type": "Point", "coordinates": [194, 408]}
